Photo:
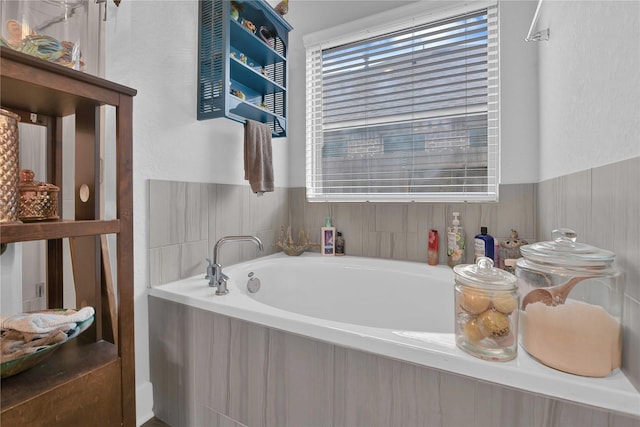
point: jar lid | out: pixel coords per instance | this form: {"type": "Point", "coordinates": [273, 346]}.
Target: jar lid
{"type": "Point", "coordinates": [482, 274]}
{"type": "Point", "coordinates": [564, 250]}
{"type": "Point", "coordinates": [27, 183]}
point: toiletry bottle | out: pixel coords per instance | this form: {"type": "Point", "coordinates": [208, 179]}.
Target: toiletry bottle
{"type": "Point", "coordinates": [455, 242]}
{"type": "Point", "coordinates": [328, 238]}
{"type": "Point", "coordinates": [484, 245]}
{"type": "Point", "coordinates": [432, 247]}
{"type": "Point", "coordinates": [339, 244]}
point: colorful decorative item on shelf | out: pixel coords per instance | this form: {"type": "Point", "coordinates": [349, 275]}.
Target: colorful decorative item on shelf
{"type": "Point", "coordinates": [249, 25]}
{"type": "Point", "coordinates": [243, 58]}
{"type": "Point", "coordinates": [282, 8]}
{"type": "Point", "coordinates": [238, 93]}
{"type": "Point", "coordinates": [266, 34]}
{"type": "Point", "coordinates": [23, 38]}
{"type": "Point", "coordinates": [235, 10]}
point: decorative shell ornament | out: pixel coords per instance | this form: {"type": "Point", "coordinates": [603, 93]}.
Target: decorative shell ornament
{"type": "Point", "coordinates": [289, 247]}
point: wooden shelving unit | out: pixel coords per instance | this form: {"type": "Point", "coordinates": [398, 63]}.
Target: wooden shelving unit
{"type": "Point", "coordinates": [90, 380]}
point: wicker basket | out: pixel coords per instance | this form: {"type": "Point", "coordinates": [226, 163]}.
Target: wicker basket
{"type": "Point", "coordinates": [38, 200]}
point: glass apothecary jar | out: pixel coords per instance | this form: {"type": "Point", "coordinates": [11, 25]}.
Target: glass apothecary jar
{"type": "Point", "coordinates": [571, 310]}
{"type": "Point", "coordinates": [486, 311]}
{"type": "Point", "coordinates": [53, 30]}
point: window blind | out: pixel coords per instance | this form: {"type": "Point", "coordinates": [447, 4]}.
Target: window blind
{"type": "Point", "coordinates": [410, 114]}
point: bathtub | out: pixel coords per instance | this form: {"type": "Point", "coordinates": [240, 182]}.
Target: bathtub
{"type": "Point", "coordinates": [401, 310]}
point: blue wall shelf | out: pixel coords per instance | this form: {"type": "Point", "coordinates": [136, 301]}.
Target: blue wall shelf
{"type": "Point", "coordinates": [242, 74]}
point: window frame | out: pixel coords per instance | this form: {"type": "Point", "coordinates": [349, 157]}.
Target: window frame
{"type": "Point", "coordinates": [384, 24]}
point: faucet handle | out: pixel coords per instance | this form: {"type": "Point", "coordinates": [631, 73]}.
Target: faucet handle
{"type": "Point", "coordinates": [222, 285]}
{"type": "Point", "coordinates": [209, 273]}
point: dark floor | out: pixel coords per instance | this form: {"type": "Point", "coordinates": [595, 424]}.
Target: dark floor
{"type": "Point", "coordinates": [154, 422]}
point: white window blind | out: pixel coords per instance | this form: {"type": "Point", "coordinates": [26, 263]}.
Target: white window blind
{"type": "Point", "coordinates": [410, 114]}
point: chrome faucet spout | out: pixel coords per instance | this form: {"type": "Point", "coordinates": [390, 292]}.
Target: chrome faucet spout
{"type": "Point", "coordinates": [214, 271]}
{"type": "Point", "coordinates": [223, 240]}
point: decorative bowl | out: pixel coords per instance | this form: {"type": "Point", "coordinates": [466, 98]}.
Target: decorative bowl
{"type": "Point", "coordinates": [15, 366]}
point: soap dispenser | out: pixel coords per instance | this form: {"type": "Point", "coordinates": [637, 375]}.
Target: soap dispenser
{"type": "Point", "coordinates": [455, 242]}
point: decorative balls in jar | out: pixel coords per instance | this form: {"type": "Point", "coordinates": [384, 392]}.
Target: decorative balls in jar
{"type": "Point", "coordinates": [486, 311]}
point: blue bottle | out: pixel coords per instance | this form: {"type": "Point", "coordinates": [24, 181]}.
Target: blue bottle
{"type": "Point", "coordinates": [484, 245]}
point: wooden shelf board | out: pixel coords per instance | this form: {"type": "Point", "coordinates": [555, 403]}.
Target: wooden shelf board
{"type": "Point", "coordinates": [71, 361]}
{"type": "Point", "coordinates": [48, 230]}
{"type": "Point", "coordinates": [43, 87]}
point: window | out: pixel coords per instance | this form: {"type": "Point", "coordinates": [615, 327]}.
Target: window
{"type": "Point", "coordinates": [409, 114]}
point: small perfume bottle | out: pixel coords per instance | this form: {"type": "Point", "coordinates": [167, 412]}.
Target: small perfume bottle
{"type": "Point", "coordinates": [339, 244]}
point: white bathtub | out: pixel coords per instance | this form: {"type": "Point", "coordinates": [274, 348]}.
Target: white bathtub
{"type": "Point", "coordinates": [401, 310]}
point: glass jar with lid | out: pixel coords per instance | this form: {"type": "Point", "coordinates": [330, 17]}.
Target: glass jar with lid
{"type": "Point", "coordinates": [53, 30]}
{"type": "Point", "coordinates": [571, 308]}
{"type": "Point", "coordinates": [486, 310]}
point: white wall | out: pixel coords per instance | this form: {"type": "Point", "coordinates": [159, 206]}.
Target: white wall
{"type": "Point", "coordinates": [152, 47]}
{"type": "Point", "coordinates": [10, 274]}
{"type": "Point", "coordinates": [589, 85]}
{"type": "Point", "coordinates": [519, 147]}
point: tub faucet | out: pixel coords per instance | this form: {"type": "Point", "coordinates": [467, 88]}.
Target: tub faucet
{"type": "Point", "coordinates": [214, 270]}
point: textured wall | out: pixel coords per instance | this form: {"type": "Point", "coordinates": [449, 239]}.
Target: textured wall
{"type": "Point", "coordinates": [589, 85]}
{"type": "Point", "coordinates": [213, 370]}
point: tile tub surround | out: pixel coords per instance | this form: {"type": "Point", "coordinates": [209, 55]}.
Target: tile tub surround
{"type": "Point", "coordinates": [186, 219]}
{"type": "Point", "coordinates": [207, 367]}
{"type": "Point", "coordinates": [400, 230]}
{"type": "Point", "coordinates": [601, 204]}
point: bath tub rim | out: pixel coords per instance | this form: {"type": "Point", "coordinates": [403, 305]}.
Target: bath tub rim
{"type": "Point", "coordinates": [432, 350]}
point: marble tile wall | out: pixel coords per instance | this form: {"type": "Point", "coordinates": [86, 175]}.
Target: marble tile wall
{"type": "Point", "coordinates": [400, 230]}
{"type": "Point", "coordinates": [603, 206]}
{"type": "Point", "coordinates": [209, 369]}
{"type": "Point", "coordinates": [186, 219]}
